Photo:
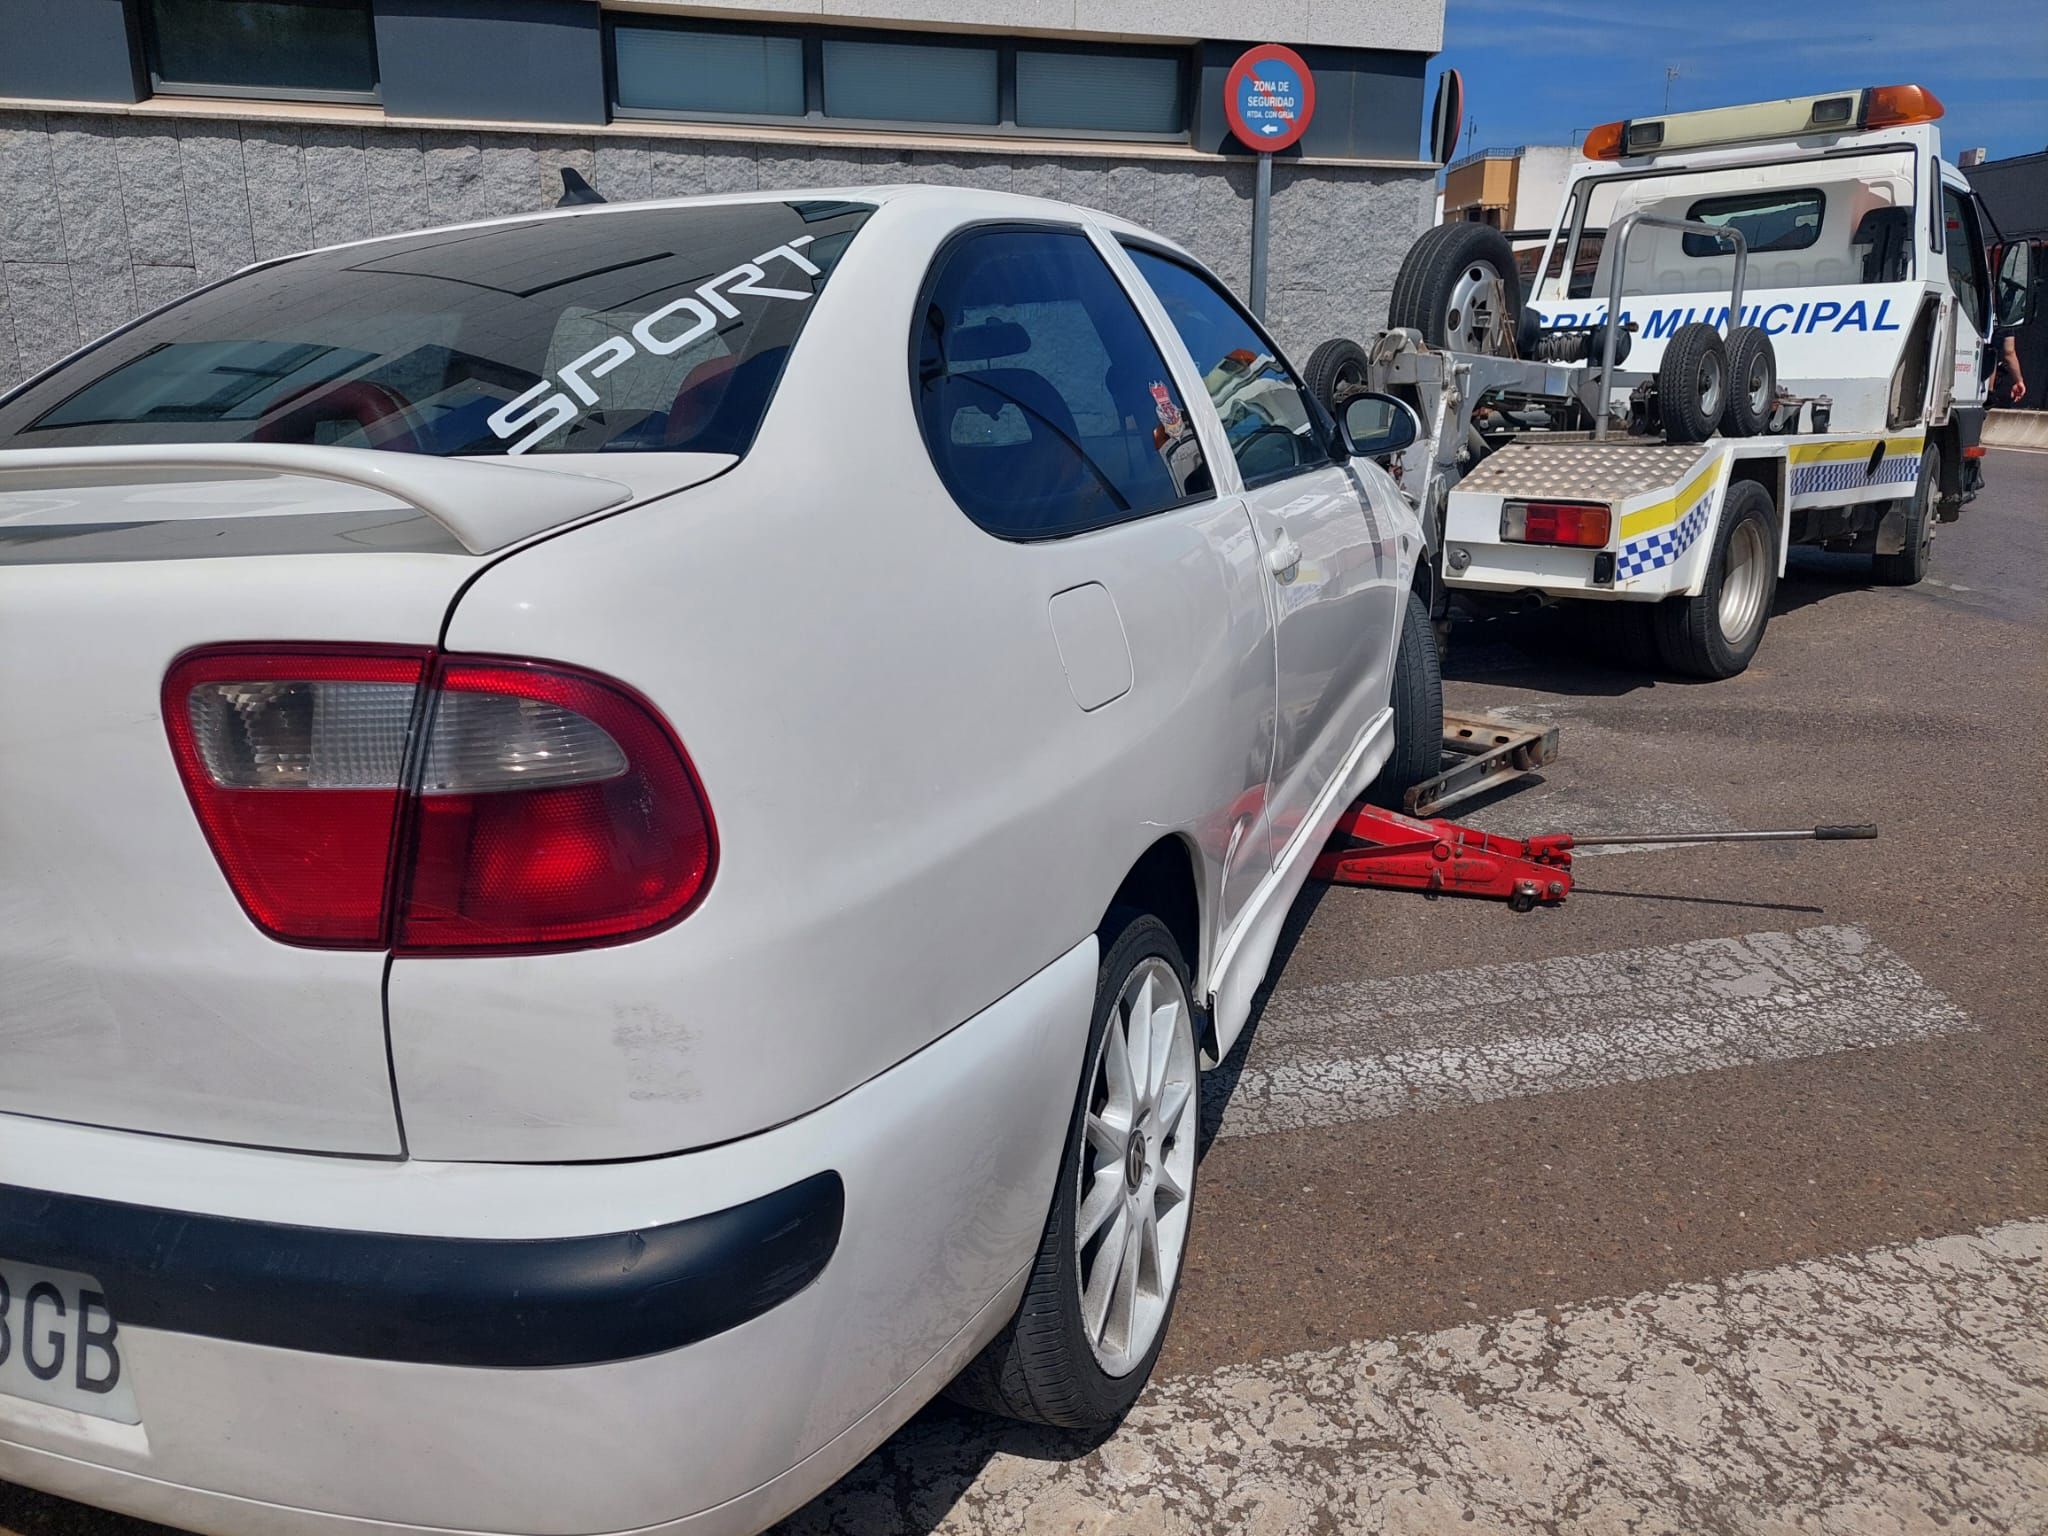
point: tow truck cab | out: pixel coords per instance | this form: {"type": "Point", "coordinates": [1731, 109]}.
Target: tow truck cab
{"type": "Point", "coordinates": [1867, 254]}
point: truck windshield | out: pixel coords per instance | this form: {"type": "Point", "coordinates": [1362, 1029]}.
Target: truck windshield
{"type": "Point", "coordinates": [644, 330]}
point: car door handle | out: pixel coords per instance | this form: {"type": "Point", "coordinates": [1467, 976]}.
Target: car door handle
{"type": "Point", "coordinates": [1283, 558]}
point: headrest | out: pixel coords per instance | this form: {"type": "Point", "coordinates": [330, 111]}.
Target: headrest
{"type": "Point", "coordinates": [991, 338]}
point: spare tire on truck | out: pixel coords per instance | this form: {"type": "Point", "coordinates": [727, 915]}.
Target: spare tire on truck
{"type": "Point", "coordinates": [1692, 384]}
{"type": "Point", "coordinates": [1336, 367]}
{"type": "Point", "coordinates": [1458, 286]}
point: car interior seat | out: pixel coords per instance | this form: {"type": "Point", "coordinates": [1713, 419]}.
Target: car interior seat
{"type": "Point", "coordinates": [1008, 432]}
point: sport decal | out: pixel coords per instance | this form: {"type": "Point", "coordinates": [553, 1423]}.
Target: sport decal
{"type": "Point", "coordinates": [554, 403]}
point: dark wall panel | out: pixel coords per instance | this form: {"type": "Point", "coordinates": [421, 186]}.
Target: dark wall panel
{"type": "Point", "coordinates": [1368, 103]}
{"type": "Point", "coordinates": [500, 60]}
{"type": "Point", "coordinates": [67, 50]}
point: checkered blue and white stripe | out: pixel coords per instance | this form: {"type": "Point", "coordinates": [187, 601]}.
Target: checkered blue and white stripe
{"type": "Point", "coordinates": [1662, 548]}
{"type": "Point", "coordinates": [1848, 475]}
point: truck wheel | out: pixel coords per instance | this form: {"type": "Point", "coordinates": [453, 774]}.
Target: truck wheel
{"type": "Point", "coordinates": [1458, 286]}
{"type": "Point", "coordinates": [1909, 566]}
{"type": "Point", "coordinates": [1101, 1292]}
{"type": "Point", "coordinates": [1418, 701]}
{"type": "Point", "coordinates": [1692, 383]}
{"type": "Point", "coordinates": [1336, 365]}
{"type": "Point", "coordinates": [1716, 633]}
{"type": "Point", "coordinates": [1752, 383]}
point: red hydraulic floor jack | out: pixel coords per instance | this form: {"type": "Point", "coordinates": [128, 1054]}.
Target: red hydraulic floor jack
{"type": "Point", "coordinates": [1385, 849]}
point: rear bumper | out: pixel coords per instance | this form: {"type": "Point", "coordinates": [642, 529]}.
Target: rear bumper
{"type": "Point", "coordinates": [877, 1241]}
{"type": "Point", "coordinates": [500, 1303]}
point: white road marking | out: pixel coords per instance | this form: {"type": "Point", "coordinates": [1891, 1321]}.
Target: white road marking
{"type": "Point", "coordinates": [1348, 1051]}
{"type": "Point", "coordinates": [1897, 1391]}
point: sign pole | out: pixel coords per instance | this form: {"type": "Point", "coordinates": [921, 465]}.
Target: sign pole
{"type": "Point", "coordinates": [1262, 221]}
{"type": "Point", "coordinates": [1268, 98]}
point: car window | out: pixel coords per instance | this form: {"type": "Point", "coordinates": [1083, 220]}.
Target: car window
{"type": "Point", "coordinates": [1273, 427]}
{"type": "Point", "coordinates": [1965, 252]}
{"type": "Point", "coordinates": [1769, 221]}
{"type": "Point", "coordinates": [1045, 403]}
{"type": "Point", "coordinates": [628, 330]}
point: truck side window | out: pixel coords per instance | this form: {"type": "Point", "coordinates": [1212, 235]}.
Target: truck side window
{"type": "Point", "coordinates": [1274, 428]}
{"type": "Point", "coordinates": [1965, 251]}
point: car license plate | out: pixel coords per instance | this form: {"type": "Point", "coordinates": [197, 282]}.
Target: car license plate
{"type": "Point", "coordinates": [60, 1345]}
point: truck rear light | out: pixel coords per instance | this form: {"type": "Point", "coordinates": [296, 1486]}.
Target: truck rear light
{"type": "Point", "coordinates": [1585, 525]}
{"type": "Point", "coordinates": [371, 797]}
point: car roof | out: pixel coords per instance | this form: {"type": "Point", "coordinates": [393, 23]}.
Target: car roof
{"type": "Point", "coordinates": [971, 201]}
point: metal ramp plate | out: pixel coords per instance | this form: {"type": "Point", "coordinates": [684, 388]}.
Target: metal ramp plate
{"type": "Point", "coordinates": [1584, 471]}
{"type": "Point", "coordinates": [1481, 752]}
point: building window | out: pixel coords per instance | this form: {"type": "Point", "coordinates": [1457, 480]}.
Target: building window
{"type": "Point", "coordinates": [699, 70]}
{"type": "Point", "coordinates": [1110, 92]}
{"type": "Point", "coordinates": [720, 74]}
{"type": "Point", "coordinates": [322, 50]}
{"type": "Point", "coordinates": [911, 82]}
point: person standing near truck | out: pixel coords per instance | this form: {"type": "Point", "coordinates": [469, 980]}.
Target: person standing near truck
{"type": "Point", "coordinates": [2007, 364]}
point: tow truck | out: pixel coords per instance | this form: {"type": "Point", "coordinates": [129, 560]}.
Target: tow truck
{"type": "Point", "coordinates": [1748, 328]}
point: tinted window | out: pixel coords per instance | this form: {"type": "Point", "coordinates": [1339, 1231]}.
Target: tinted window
{"type": "Point", "coordinates": [1769, 221]}
{"type": "Point", "coordinates": [1112, 92]}
{"type": "Point", "coordinates": [1274, 430]}
{"type": "Point", "coordinates": [911, 82]}
{"type": "Point", "coordinates": [633, 330]}
{"type": "Point", "coordinates": [321, 46]}
{"type": "Point", "coordinates": [1045, 404]}
{"type": "Point", "coordinates": [1965, 251]}
{"type": "Point", "coordinates": [677, 69]}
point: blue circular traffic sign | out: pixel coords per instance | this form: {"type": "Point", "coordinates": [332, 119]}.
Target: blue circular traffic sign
{"type": "Point", "coordinates": [1269, 97]}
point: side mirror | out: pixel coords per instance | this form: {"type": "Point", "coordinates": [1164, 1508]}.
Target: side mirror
{"type": "Point", "coordinates": [1376, 426]}
{"type": "Point", "coordinates": [2015, 285]}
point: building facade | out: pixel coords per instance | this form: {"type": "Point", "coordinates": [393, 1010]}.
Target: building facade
{"type": "Point", "coordinates": [1508, 188]}
{"type": "Point", "coordinates": [147, 146]}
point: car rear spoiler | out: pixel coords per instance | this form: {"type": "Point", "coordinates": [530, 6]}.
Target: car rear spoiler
{"type": "Point", "coordinates": [486, 506]}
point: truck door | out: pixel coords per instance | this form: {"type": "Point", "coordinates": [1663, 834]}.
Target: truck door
{"type": "Point", "coordinates": [1969, 319]}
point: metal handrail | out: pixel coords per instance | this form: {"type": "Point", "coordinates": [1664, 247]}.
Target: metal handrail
{"type": "Point", "coordinates": [1617, 241]}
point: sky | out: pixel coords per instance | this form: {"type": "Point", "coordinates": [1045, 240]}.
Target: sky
{"type": "Point", "coordinates": [1544, 71]}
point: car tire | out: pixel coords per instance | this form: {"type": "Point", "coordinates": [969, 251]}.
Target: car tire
{"type": "Point", "coordinates": [1459, 287]}
{"type": "Point", "coordinates": [1692, 383]}
{"type": "Point", "coordinates": [1909, 566]}
{"type": "Point", "coordinates": [1752, 383]}
{"type": "Point", "coordinates": [1715, 634]}
{"type": "Point", "coordinates": [1418, 700]}
{"type": "Point", "coordinates": [1336, 365]}
{"type": "Point", "coordinates": [1051, 1364]}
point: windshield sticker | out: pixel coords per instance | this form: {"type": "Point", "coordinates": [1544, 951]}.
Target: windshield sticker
{"type": "Point", "coordinates": [555, 403]}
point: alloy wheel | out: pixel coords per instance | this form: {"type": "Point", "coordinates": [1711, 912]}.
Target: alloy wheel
{"type": "Point", "coordinates": [1138, 1167]}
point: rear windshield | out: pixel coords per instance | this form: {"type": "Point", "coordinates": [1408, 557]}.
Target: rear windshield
{"type": "Point", "coordinates": [642, 330]}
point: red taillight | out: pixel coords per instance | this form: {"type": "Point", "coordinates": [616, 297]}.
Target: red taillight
{"type": "Point", "coordinates": [543, 808]}
{"type": "Point", "coordinates": [1585, 525]}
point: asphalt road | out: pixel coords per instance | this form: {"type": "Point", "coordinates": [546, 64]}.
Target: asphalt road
{"type": "Point", "coordinates": [1714, 1201]}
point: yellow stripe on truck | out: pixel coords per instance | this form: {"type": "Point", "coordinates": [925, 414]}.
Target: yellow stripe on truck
{"type": "Point", "coordinates": [1643, 519]}
{"type": "Point", "coordinates": [1855, 448]}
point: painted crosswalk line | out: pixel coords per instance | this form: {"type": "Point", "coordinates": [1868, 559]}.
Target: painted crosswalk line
{"type": "Point", "coordinates": [1889, 1393]}
{"type": "Point", "coordinates": [1328, 1055]}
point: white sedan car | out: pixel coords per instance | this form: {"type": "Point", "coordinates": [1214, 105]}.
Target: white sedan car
{"type": "Point", "coordinates": [624, 834]}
